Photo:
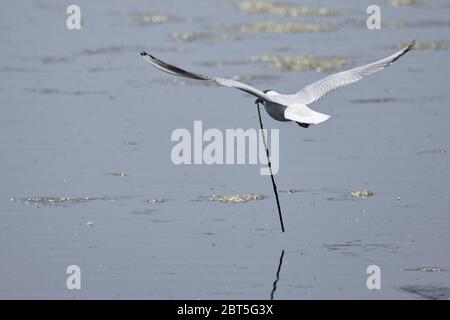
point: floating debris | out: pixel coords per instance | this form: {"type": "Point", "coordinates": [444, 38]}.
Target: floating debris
{"type": "Point", "coordinates": [238, 198]}
{"type": "Point", "coordinates": [118, 174]}
{"type": "Point", "coordinates": [363, 194]}
{"type": "Point", "coordinates": [291, 191]}
{"type": "Point", "coordinates": [400, 3]}
{"type": "Point", "coordinates": [194, 36]}
{"type": "Point", "coordinates": [426, 269]}
{"type": "Point", "coordinates": [435, 151]}
{"type": "Point", "coordinates": [89, 224]}
{"type": "Point", "coordinates": [259, 7]}
{"type": "Point", "coordinates": [49, 201]}
{"type": "Point", "coordinates": [63, 201]}
{"type": "Point", "coordinates": [303, 63]}
{"type": "Point", "coordinates": [156, 200]}
{"type": "Point", "coordinates": [286, 27]}
{"type": "Point", "coordinates": [420, 45]}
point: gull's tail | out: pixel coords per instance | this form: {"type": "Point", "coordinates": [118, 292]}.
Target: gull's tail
{"type": "Point", "coordinates": [303, 114]}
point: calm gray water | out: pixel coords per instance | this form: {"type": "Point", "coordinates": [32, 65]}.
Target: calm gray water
{"type": "Point", "coordinates": [83, 116]}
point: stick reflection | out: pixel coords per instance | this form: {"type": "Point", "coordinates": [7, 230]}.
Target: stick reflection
{"type": "Point", "coordinates": [274, 288]}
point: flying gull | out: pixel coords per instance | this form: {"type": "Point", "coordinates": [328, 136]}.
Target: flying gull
{"type": "Point", "coordinates": [290, 107]}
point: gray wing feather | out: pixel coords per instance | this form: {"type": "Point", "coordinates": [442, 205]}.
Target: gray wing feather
{"type": "Point", "coordinates": [163, 66]}
{"type": "Point", "coordinates": [321, 88]}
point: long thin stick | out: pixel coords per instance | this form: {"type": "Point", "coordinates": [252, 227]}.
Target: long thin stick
{"type": "Point", "coordinates": [270, 168]}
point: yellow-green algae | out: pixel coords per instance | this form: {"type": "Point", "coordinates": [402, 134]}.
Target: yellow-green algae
{"type": "Point", "coordinates": [49, 201]}
{"type": "Point", "coordinates": [156, 200]}
{"type": "Point", "coordinates": [236, 198]}
{"type": "Point", "coordinates": [190, 36]}
{"type": "Point", "coordinates": [275, 27]}
{"type": "Point", "coordinates": [400, 3]}
{"type": "Point", "coordinates": [362, 194]}
{"type": "Point", "coordinates": [260, 7]}
{"type": "Point", "coordinates": [302, 63]}
{"type": "Point", "coordinates": [421, 45]}
{"type": "Point", "coordinates": [286, 27]}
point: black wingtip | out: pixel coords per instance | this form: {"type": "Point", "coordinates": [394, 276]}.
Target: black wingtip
{"type": "Point", "coordinates": [143, 53]}
{"type": "Point", "coordinates": [410, 46]}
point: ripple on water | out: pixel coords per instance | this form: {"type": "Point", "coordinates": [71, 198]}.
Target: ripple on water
{"type": "Point", "coordinates": [377, 100]}
{"type": "Point", "coordinates": [429, 292]}
{"type": "Point", "coordinates": [433, 151]}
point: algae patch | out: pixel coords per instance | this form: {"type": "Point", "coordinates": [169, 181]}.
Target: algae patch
{"type": "Point", "coordinates": [62, 201]}
{"type": "Point", "coordinates": [260, 7]}
{"type": "Point", "coordinates": [286, 27]}
{"type": "Point", "coordinates": [400, 3]}
{"type": "Point", "coordinates": [426, 269]}
{"type": "Point", "coordinates": [50, 201]}
{"type": "Point", "coordinates": [362, 194]}
{"type": "Point", "coordinates": [156, 200]}
{"type": "Point", "coordinates": [117, 174]}
{"type": "Point", "coordinates": [421, 45]}
{"type": "Point", "coordinates": [302, 63]}
{"type": "Point", "coordinates": [191, 36]}
{"type": "Point", "coordinates": [238, 198]}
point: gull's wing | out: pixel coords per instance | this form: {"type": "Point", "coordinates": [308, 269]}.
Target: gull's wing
{"type": "Point", "coordinates": [163, 66]}
{"type": "Point", "coordinates": [317, 90]}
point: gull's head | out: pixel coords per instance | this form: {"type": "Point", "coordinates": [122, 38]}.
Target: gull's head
{"type": "Point", "coordinates": [267, 92]}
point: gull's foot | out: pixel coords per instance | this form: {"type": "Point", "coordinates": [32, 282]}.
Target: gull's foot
{"type": "Point", "coordinates": [303, 125]}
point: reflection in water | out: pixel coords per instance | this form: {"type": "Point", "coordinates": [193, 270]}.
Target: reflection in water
{"type": "Point", "coordinates": [274, 288]}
